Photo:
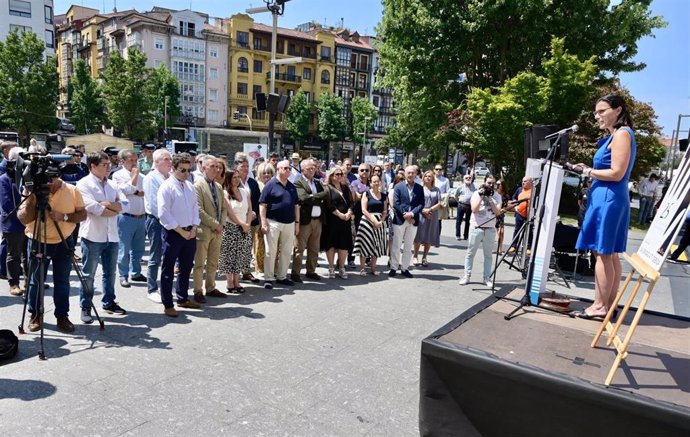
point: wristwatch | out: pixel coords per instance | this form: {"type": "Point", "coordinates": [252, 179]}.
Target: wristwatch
{"type": "Point", "coordinates": [65, 218]}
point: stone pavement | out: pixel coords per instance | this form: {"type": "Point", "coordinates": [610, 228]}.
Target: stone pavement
{"type": "Point", "coordinates": [339, 357]}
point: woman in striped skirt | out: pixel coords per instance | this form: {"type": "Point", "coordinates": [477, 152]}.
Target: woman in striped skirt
{"type": "Point", "coordinates": [372, 238]}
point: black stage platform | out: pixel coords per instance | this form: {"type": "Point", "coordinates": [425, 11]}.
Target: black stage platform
{"type": "Point", "coordinates": [536, 375]}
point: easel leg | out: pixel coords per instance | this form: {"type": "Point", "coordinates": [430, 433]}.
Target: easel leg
{"type": "Point", "coordinates": [619, 295]}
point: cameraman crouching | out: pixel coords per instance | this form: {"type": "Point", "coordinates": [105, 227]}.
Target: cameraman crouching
{"type": "Point", "coordinates": [66, 209]}
{"type": "Point", "coordinates": [484, 204]}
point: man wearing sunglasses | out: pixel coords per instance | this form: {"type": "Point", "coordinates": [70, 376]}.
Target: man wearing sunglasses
{"type": "Point", "coordinates": [178, 212]}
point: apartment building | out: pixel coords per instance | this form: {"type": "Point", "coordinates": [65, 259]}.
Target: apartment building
{"type": "Point", "coordinates": [29, 16]}
{"type": "Point", "coordinates": [353, 71]}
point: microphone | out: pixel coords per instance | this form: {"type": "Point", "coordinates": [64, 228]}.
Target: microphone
{"type": "Point", "coordinates": [572, 128]}
{"type": "Point", "coordinates": [517, 202]}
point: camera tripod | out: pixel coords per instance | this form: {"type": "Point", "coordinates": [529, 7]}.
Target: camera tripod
{"type": "Point", "coordinates": [39, 261]}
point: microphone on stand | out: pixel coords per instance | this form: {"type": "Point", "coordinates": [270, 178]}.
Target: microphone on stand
{"type": "Point", "coordinates": [573, 128]}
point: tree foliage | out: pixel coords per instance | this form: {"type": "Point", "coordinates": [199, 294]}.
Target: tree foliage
{"type": "Point", "coordinates": [85, 103]}
{"type": "Point", "coordinates": [364, 116]}
{"type": "Point", "coordinates": [428, 44]}
{"type": "Point", "coordinates": [28, 85]}
{"type": "Point", "coordinates": [297, 117]}
{"type": "Point", "coordinates": [332, 124]}
{"type": "Point", "coordinates": [162, 84]}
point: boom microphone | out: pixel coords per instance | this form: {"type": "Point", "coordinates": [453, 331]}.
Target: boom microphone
{"type": "Point", "coordinates": [572, 128]}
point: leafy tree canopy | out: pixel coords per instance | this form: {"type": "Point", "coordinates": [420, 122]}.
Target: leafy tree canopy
{"type": "Point", "coordinates": [297, 117]}
{"type": "Point", "coordinates": [85, 103]}
{"type": "Point", "coordinates": [364, 115]}
{"type": "Point", "coordinates": [161, 84]}
{"type": "Point", "coordinates": [332, 124]}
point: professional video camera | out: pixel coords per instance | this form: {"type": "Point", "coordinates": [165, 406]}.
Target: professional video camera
{"type": "Point", "coordinates": [486, 190]}
{"type": "Point", "coordinates": [35, 171]}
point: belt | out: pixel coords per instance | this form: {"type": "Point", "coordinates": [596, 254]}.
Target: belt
{"type": "Point", "coordinates": [188, 228]}
{"type": "Point", "coordinates": [134, 215]}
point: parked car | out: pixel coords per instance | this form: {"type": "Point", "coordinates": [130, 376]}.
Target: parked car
{"type": "Point", "coordinates": [65, 125]}
{"type": "Point", "coordinates": [481, 171]}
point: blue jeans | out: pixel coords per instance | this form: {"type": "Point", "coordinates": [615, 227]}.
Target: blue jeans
{"type": "Point", "coordinates": [153, 232]}
{"type": "Point", "coordinates": [93, 254]}
{"type": "Point", "coordinates": [487, 237]}
{"type": "Point", "coordinates": [176, 248]}
{"type": "Point", "coordinates": [62, 265]}
{"type": "Point", "coordinates": [646, 205]}
{"type": "Point", "coordinates": [3, 257]}
{"type": "Point", "coordinates": [132, 232]}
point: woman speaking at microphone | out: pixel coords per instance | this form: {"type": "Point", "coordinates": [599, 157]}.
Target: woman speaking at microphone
{"type": "Point", "coordinates": [605, 227]}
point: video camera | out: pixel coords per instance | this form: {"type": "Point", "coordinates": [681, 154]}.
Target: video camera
{"type": "Point", "coordinates": [486, 190]}
{"type": "Point", "coordinates": [37, 170]}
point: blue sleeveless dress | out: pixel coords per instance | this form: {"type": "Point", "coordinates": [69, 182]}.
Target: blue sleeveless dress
{"type": "Point", "coordinates": [605, 227]}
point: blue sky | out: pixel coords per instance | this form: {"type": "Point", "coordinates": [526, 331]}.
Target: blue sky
{"type": "Point", "coordinates": [665, 83]}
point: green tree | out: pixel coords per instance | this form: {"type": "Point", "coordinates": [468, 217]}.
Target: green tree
{"type": "Point", "coordinates": [162, 84]}
{"type": "Point", "coordinates": [330, 114]}
{"type": "Point", "coordinates": [28, 85]}
{"type": "Point", "coordinates": [429, 44]}
{"type": "Point", "coordinates": [297, 117]}
{"type": "Point", "coordinates": [85, 103]}
{"type": "Point", "coordinates": [364, 115]}
{"type": "Point", "coordinates": [127, 95]}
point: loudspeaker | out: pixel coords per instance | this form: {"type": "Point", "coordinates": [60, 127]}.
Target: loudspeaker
{"type": "Point", "coordinates": [284, 103]}
{"type": "Point", "coordinates": [537, 147]}
{"type": "Point", "coordinates": [260, 101]}
{"type": "Point", "coordinates": [272, 104]}
{"type": "Point", "coordinates": [683, 145]}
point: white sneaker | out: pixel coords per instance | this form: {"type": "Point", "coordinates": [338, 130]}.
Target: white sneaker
{"type": "Point", "coordinates": [343, 274]}
{"type": "Point", "coordinates": [86, 316]}
{"type": "Point", "coordinates": [154, 297]}
{"type": "Point", "coordinates": [464, 280]}
{"type": "Point", "coordinates": [489, 282]}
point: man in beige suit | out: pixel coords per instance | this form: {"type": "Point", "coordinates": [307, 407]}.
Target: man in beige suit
{"type": "Point", "coordinates": [213, 213]}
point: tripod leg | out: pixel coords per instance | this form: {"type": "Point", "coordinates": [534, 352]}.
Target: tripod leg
{"type": "Point", "coordinates": [523, 303]}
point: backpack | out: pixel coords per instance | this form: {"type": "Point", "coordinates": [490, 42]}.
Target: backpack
{"type": "Point", "coordinates": [9, 344]}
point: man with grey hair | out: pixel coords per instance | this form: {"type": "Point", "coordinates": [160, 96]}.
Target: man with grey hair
{"type": "Point", "coordinates": [162, 163]}
{"type": "Point", "coordinates": [131, 224]}
{"type": "Point", "coordinates": [198, 172]}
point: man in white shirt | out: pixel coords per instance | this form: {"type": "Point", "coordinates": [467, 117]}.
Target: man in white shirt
{"type": "Point", "coordinates": [178, 213]}
{"type": "Point", "coordinates": [443, 184]}
{"type": "Point", "coordinates": [647, 191]}
{"type": "Point", "coordinates": [295, 172]}
{"type": "Point", "coordinates": [99, 234]}
{"type": "Point", "coordinates": [131, 224]}
{"type": "Point", "coordinates": [484, 209]}
{"type": "Point", "coordinates": [162, 164]}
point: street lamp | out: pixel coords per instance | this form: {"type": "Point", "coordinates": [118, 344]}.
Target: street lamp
{"type": "Point", "coordinates": [237, 115]}
{"type": "Point", "coordinates": [165, 118]}
{"type": "Point", "coordinates": [364, 134]}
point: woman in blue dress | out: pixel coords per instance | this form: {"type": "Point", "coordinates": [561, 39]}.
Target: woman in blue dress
{"type": "Point", "coordinates": [605, 227]}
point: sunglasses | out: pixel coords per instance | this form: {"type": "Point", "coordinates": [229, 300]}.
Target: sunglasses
{"type": "Point", "coordinates": [183, 170]}
{"type": "Point", "coordinates": [438, 169]}
{"type": "Point", "coordinates": [337, 174]}
{"type": "Point", "coordinates": [364, 170]}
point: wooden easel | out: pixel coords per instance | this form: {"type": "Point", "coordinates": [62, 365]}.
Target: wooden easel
{"type": "Point", "coordinates": [645, 272]}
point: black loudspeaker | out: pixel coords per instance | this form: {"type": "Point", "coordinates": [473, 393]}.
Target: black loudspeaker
{"type": "Point", "coordinates": [260, 101]}
{"type": "Point", "coordinates": [284, 103]}
{"type": "Point", "coordinates": [683, 145]}
{"type": "Point", "coordinates": [272, 103]}
{"type": "Point", "coordinates": [537, 147]}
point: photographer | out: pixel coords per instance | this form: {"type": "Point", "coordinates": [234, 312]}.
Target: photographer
{"type": "Point", "coordinates": [484, 205]}
{"type": "Point", "coordinates": [65, 209]}
{"type": "Point", "coordinates": [12, 228]}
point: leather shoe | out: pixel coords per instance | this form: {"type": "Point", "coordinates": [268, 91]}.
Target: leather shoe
{"type": "Point", "coordinates": [199, 297]}
{"type": "Point", "coordinates": [249, 277]}
{"type": "Point", "coordinates": [216, 293]}
{"type": "Point", "coordinates": [314, 276]}
{"type": "Point", "coordinates": [296, 278]}
{"type": "Point", "coordinates": [16, 291]}
{"type": "Point", "coordinates": [124, 283]}
{"type": "Point", "coordinates": [406, 273]}
{"type": "Point", "coordinates": [170, 312]}
{"type": "Point", "coordinates": [188, 304]}
{"type": "Point", "coordinates": [139, 278]}
{"type": "Point", "coordinates": [64, 324]}
{"type": "Point", "coordinates": [35, 323]}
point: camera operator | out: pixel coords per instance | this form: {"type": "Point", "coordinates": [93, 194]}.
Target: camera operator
{"type": "Point", "coordinates": [12, 228]}
{"type": "Point", "coordinates": [5, 147]}
{"type": "Point", "coordinates": [485, 207]}
{"type": "Point", "coordinates": [66, 209]}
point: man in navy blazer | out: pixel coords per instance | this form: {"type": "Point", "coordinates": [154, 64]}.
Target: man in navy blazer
{"type": "Point", "coordinates": [408, 201]}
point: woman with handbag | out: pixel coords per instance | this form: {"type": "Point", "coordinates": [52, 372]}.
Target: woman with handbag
{"type": "Point", "coordinates": [337, 233]}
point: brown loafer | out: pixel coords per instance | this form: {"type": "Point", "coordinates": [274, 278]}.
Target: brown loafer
{"type": "Point", "coordinates": [35, 323]}
{"type": "Point", "coordinates": [64, 324]}
{"type": "Point", "coordinates": [249, 277]}
{"type": "Point", "coordinates": [199, 297]}
{"type": "Point", "coordinates": [170, 312]}
{"type": "Point", "coordinates": [216, 293]}
{"type": "Point", "coordinates": [16, 291]}
{"type": "Point", "coordinates": [189, 304]}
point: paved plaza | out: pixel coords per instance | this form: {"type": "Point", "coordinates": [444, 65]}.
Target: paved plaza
{"type": "Point", "coordinates": [337, 357]}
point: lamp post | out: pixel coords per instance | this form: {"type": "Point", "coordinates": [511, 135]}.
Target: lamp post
{"type": "Point", "coordinates": [239, 114]}
{"type": "Point", "coordinates": [165, 118]}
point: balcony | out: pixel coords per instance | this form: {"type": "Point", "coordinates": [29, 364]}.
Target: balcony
{"type": "Point", "coordinates": [263, 48]}
{"type": "Point", "coordinates": [243, 69]}
{"type": "Point", "coordinates": [324, 58]}
{"type": "Point", "coordinates": [360, 66]}
{"type": "Point", "coordinates": [241, 44]}
{"type": "Point", "coordinates": [285, 77]}
{"type": "Point", "coordinates": [84, 46]}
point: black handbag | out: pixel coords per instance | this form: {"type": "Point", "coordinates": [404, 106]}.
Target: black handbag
{"type": "Point", "coordinates": [9, 343]}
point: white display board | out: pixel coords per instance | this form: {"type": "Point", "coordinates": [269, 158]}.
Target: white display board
{"type": "Point", "coordinates": [255, 151]}
{"type": "Point", "coordinates": [549, 199]}
{"type": "Point", "coordinates": [669, 219]}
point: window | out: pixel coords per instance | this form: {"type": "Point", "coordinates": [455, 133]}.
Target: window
{"type": "Point", "coordinates": [19, 29]}
{"type": "Point", "coordinates": [50, 41]}
{"type": "Point", "coordinates": [256, 89]}
{"type": "Point", "coordinates": [213, 73]}
{"type": "Point", "coordinates": [376, 101]}
{"type": "Point", "coordinates": [343, 57]}
{"type": "Point", "coordinates": [48, 12]}
{"type": "Point", "coordinates": [291, 72]}
{"type": "Point", "coordinates": [212, 95]}
{"type": "Point", "coordinates": [243, 39]}
{"type": "Point", "coordinates": [364, 62]}
{"type": "Point", "coordinates": [242, 109]}
{"type": "Point", "coordinates": [325, 53]}
{"type": "Point", "coordinates": [213, 52]}
{"type": "Point", "coordinates": [257, 115]}
{"type": "Point", "coordinates": [307, 94]}
{"type": "Point", "coordinates": [242, 88]}
{"type": "Point", "coordinates": [362, 82]}
{"type": "Point", "coordinates": [20, 8]}
{"type": "Point", "coordinates": [325, 77]}
{"type": "Point", "coordinates": [158, 63]}
{"type": "Point", "coordinates": [258, 66]}
{"type": "Point", "coordinates": [258, 44]}
{"type": "Point", "coordinates": [353, 60]}
{"type": "Point", "coordinates": [212, 115]}
{"type": "Point", "coordinates": [292, 50]}
{"type": "Point", "coordinates": [306, 73]}
{"type": "Point", "coordinates": [159, 44]}
{"type": "Point", "coordinates": [242, 65]}
{"type": "Point", "coordinates": [187, 28]}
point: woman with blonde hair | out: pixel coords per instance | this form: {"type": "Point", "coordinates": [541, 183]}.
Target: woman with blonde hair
{"type": "Point", "coordinates": [336, 235]}
{"type": "Point", "coordinates": [372, 239]}
{"type": "Point", "coordinates": [264, 172]}
{"type": "Point", "coordinates": [428, 230]}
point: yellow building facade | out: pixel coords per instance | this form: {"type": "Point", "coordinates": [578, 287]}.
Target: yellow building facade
{"type": "Point", "coordinates": [249, 68]}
